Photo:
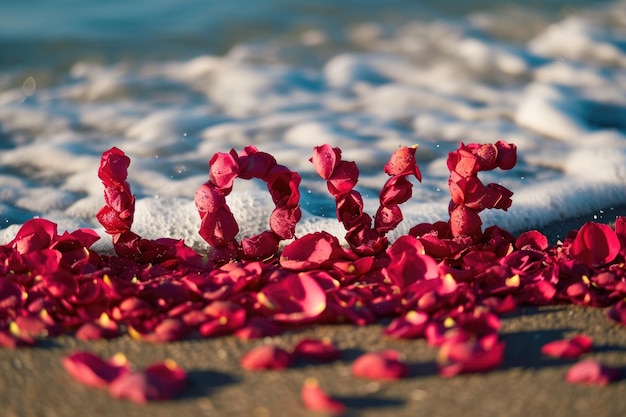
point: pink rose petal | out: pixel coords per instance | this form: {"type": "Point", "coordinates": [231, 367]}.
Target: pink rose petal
{"type": "Point", "coordinates": [266, 357]}
{"type": "Point", "coordinates": [568, 349]}
{"type": "Point", "coordinates": [94, 371]}
{"type": "Point", "coordinates": [592, 372]}
{"type": "Point", "coordinates": [297, 298]}
{"type": "Point", "coordinates": [383, 365]}
{"type": "Point", "coordinates": [156, 383]}
{"type": "Point", "coordinates": [316, 399]}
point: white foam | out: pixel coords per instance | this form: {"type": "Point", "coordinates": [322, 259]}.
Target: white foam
{"type": "Point", "coordinates": [558, 91]}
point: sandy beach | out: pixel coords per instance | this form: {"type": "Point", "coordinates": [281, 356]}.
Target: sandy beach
{"type": "Point", "coordinates": [34, 383]}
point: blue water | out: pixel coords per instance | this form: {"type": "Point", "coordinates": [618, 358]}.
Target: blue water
{"type": "Point", "coordinates": [48, 33]}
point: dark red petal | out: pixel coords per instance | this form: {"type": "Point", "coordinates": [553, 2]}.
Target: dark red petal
{"type": "Point", "coordinates": [507, 155]}
{"type": "Point", "coordinates": [266, 357]}
{"type": "Point", "coordinates": [208, 199]}
{"type": "Point", "coordinates": [283, 221]}
{"type": "Point", "coordinates": [383, 365]}
{"type": "Point", "coordinates": [464, 222]}
{"type": "Point", "coordinates": [158, 382]}
{"type": "Point", "coordinates": [256, 328]}
{"type": "Point", "coordinates": [261, 246]}
{"type": "Point", "coordinates": [113, 166]}
{"type": "Point", "coordinates": [316, 399]}
{"type": "Point", "coordinates": [460, 355]}
{"type": "Point", "coordinates": [92, 370]}
{"type": "Point", "coordinates": [318, 350]}
{"type": "Point", "coordinates": [226, 317]}
{"type": "Point", "coordinates": [410, 326]}
{"type": "Point", "coordinates": [532, 240]}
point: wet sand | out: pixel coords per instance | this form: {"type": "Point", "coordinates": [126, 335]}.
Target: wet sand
{"type": "Point", "coordinates": [34, 383]}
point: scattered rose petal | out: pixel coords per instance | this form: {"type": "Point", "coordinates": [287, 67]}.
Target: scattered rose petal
{"type": "Point", "coordinates": [461, 355]}
{"type": "Point", "coordinates": [158, 382]}
{"type": "Point", "coordinates": [297, 298]}
{"type": "Point", "coordinates": [592, 372]}
{"type": "Point", "coordinates": [318, 350]}
{"type": "Point", "coordinates": [266, 357]}
{"type": "Point", "coordinates": [383, 365]}
{"type": "Point", "coordinates": [94, 371]}
{"type": "Point", "coordinates": [568, 349]}
{"type": "Point", "coordinates": [258, 327]}
{"type": "Point", "coordinates": [316, 399]}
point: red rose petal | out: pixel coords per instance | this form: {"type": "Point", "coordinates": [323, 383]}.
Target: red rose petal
{"type": "Point", "coordinates": [223, 169]}
{"type": "Point", "coordinates": [383, 365]}
{"type": "Point", "coordinates": [256, 328]}
{"type": "Point", "coordinates": [158, 382]}
{"type": "Point", "coordinates": [297, 298]}
{"type": "Point", "coordinates": [459, 355]}
{"type": "Point", "coordinates": [325, 159]}
{"type": "Point", "coordinates": [316, 399]}
{"type": "Point", "coordinates": [310, 251]}
{"type": "Point", "coordinates": [592, 372]}
{"type": "Point", "coordinates": [94, 371]}
{"type": "Point", "coordinates": [318, 350]}
{"type": "Point", "coordinates": [568, 349]}
{"type": "Point", "coordinates": [266, 357]}
{"type": "Point", "coordinates": [595, 244]}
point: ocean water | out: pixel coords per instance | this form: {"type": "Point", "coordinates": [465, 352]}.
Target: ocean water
{"type": "Point", "coordinates": [173, 82]}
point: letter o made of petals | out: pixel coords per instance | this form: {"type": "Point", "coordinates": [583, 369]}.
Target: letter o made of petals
{"type": "Point", "coordinates": [219, 227]}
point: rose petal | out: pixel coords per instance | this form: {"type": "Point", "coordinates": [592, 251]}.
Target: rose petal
{"type": "Point", "coordinates": [592, 372]}
{"type": "Point", "coordinates": [402, 161]}
{"type": "Point", "coordinates": [568, 349]}
{"type": "Point", "coordinates": [325, 159]}
{"type": "Point", "coordinates": [226, 317]}
{"type": "Point", "coordinates": [94, 371]}
{"type": "Point", "coordinates": [316, 399]}
{"type": "Point", "coordinates": [297, 298]}
{"type": "Point", "coordinates": [410, 326]}
{"type": "Point", "coordinates": [318, 350]}
{"type": "Point", "coordinates": [266, 357]}
{"type": "Point", "coordinates": [158, 382]}
{"type": "Point", "coordinates": [383, 365]}
{"type": "Point", "coordinates": [256, 328]}
{"type": "Point", "coordinates": [223, 169]}
{"type": "Point", "coordinates": [310, 251]}
{"type": "Point", "coordinates": [595, 244]}
{"type": "Point", "coordinates": [459, 355]}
